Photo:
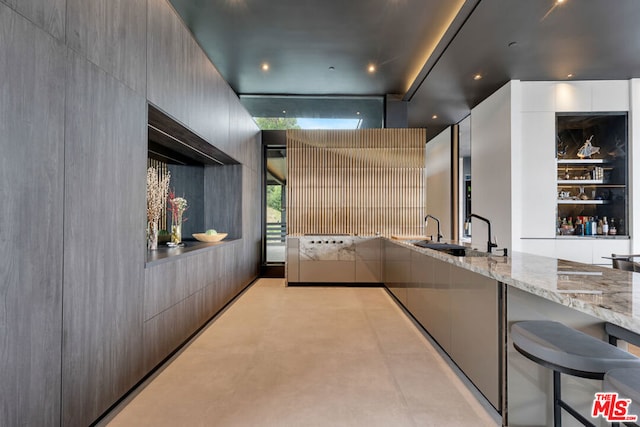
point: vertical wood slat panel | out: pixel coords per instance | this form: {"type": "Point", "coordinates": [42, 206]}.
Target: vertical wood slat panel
{"type": "Point", "coordinates": [162, 170]}
{"type": "Point", "coordinates": [362, 182]}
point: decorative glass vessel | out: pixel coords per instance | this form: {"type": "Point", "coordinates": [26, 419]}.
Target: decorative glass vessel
{"type": "Point", "coordinates": [176, 232]}
{"type": "Point", "coordinates": [177, 206]}
{"type": "Point", "coordinates": [152, 236]}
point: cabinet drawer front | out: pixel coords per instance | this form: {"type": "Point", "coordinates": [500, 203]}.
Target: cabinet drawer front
{"type": "Point", "coordinates": [327, 271]}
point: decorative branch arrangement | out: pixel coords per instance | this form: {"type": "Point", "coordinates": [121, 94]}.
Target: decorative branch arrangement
{"type": "Point", "coordinates": [177, 206]}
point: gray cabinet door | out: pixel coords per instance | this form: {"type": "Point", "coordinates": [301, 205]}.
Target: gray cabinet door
{"type": "Point", "coordinates": [428, 296]}
{"type": "Point", "coordinates": [293, 260]}
{"type": "Point", "coordinates": [420, 292]}
{"type": "Point", "coordinates": [475, 342]}
{"type": "Point", "coordinates": [397, 270]}
{"type": "Point", "coordinates": [327, 271]}
{"type": "Point", "coordinates": [438, 308]}
{"type": "Point", "coordinates": [32, 71]}
{"type": "Point", "coordinates": [368, 260]}
{"type": "Point", "coordinates": [103, 295]}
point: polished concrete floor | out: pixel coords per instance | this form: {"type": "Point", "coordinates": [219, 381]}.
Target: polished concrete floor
{"type": "Point", "coordinates": [306, 356]}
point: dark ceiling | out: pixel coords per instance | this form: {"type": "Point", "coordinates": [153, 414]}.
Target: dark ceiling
{"type": "Point", "coordinates": [426, 51]}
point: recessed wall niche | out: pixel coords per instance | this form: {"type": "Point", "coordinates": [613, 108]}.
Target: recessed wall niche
{"type": "Point", "coordinates": [592, 174]}
{"type": "Point", "coordinates": [209, 179]}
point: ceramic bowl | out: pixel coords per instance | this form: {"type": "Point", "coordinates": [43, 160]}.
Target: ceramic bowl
{"type": "Point", "coordinates": [209, 238]}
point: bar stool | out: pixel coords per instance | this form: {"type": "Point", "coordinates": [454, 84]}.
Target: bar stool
{"type": "Point", "coordinates": [625, 382]}
{"type": "Point", "coordinates": [568, 351]}
{"type": "Point", "coordinates": [616, 333]}
{"type": "Point", "coordinates": [624, 262]}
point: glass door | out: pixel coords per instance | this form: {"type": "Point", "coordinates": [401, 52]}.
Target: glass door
{"type": "Point", "coordinates": [275, 204]}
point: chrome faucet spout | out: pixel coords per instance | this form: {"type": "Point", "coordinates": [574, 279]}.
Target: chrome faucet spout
{"type": "Point", "coordinates": [490, 244]}
{"type": "Point", "coordinates": [426, 221]}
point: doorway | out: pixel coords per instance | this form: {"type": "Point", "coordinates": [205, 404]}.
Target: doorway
{"type": "Point", "coordinates": [464, 178]}
{"type": "Point", "coordinates": [275, 209]}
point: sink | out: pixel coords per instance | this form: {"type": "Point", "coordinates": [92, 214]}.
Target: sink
{"type": "Point", "coordinates": [450, 248]}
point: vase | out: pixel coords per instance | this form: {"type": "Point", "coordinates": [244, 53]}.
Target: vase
{"type": "Point", "coordinates": [152, 236]}
{"type": "Point", "coordinates": [176, 232]}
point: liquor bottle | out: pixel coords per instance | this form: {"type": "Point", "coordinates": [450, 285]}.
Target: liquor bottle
{"type": "Point", "coordinates": [600, 227]}
{"type": "Point", "coordinates": [570, 222]}
{"type": "Point", "coordinates": [594, 226]}
{"type": "Point", "coordinates": [605, 226]}
{"type": "Point", "coordinates": [612, 227]}
{"type": "Point", "coordinates": [587, 226]}
{"type": "Point", "coordinates": [579, 227]}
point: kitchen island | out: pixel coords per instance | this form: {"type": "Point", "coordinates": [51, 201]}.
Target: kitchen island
{"type": "Point", "coordinates": [467, 304]}
{"type": "Point", "coordinates": [527, 287]}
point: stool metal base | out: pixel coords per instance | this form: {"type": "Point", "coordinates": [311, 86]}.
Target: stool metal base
{"type": "Point", "coordinates": [558, 403]}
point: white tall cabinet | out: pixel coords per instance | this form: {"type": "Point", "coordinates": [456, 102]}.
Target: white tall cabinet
{"type": "Point", "coordinates": [526, 113]}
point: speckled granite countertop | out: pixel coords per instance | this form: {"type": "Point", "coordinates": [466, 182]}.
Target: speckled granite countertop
{"type": "Point", "coordinates": [608, 294]}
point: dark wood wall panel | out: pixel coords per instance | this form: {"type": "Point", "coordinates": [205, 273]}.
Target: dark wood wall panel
{"type": "Point", "coordinates": [210, 101]}
{"type": "Point", "coordinates": [165, 332]}
{"type": "Point", "coordinates": [181, 296]}
{"type": "Point", "coordinates": [223, 199]}
{"type": "Point", "coordinates": [169, 283]}
{"type": "Point", "coordinates": [105, 157]}
{"type": "Point", "coordinates": [49, 15]}
{"type": "Point", "coordinates": [251, 223]}
{"type": "Point", "coordinates": [183, 83]}
{"type": "Point", "coordinates": [73, 139]}
{"type": "Point", "coordinates": [188, 182]}
{"type": "Point", "coordinates": [31, 233]}
{"type": "Point", "coordinates": [244, 132]}
{"type": "Point", "coordinates": [181, 80]}
{"type": "Point", "coordinates": [111, 34]}
{"type": "Point", "coordinates": [162, 289]}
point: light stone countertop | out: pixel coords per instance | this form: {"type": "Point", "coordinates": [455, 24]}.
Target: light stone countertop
{"type": "Point", "coordinates": [607, 294]}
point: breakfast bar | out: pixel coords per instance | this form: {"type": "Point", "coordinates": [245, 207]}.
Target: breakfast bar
{"type": "Point", "coordinates": [531, 287]}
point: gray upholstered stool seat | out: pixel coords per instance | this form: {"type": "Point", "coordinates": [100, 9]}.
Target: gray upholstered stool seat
{"type": "Point", "coordinates": [625, 382]}
{"type": "Point", "coordinates": [560, 347]}
{"type": "Point", "coordinates": [569, 351]}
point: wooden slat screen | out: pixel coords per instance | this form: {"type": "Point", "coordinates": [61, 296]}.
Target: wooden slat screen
{"type": "Point", "coordinates": [163, 170]}
{"type": "Point", "coordinates": [355, 181]}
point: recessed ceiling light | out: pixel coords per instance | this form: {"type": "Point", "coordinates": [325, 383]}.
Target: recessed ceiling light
{"type": "Point", "coordinates": [513, 44]}
{"type": "Point", "coordinates": [284, 111]}
{"type": "Point", "coordinates": [371, 68]}
{"type": "Point", "coordinates": [435, 116]}
{"type": "Point", "coordinates": [332, 68]}
{"type": "Point", "coordinates": [265, 66]}
{"type": "Point", "coordinates": [358, 113]}
{"type": "Point", "coordinates": [559, 1]}
{"type": "Point", "coordinates": [569, 75]}
{"type": "Point", "coordinates": [477, 77]}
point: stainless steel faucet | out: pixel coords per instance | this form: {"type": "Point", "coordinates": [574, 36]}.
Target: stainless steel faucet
{"type": "Point", "coordinates": [426, 221]}
{"type": "Point", "coordinates": [490, 244]}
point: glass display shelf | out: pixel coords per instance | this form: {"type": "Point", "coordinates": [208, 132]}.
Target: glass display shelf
{"type": "Point", "coordinates": [591, 169]}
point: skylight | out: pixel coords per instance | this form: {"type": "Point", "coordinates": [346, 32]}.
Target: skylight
{"type": "Point", "coordinates": [312, 123]}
